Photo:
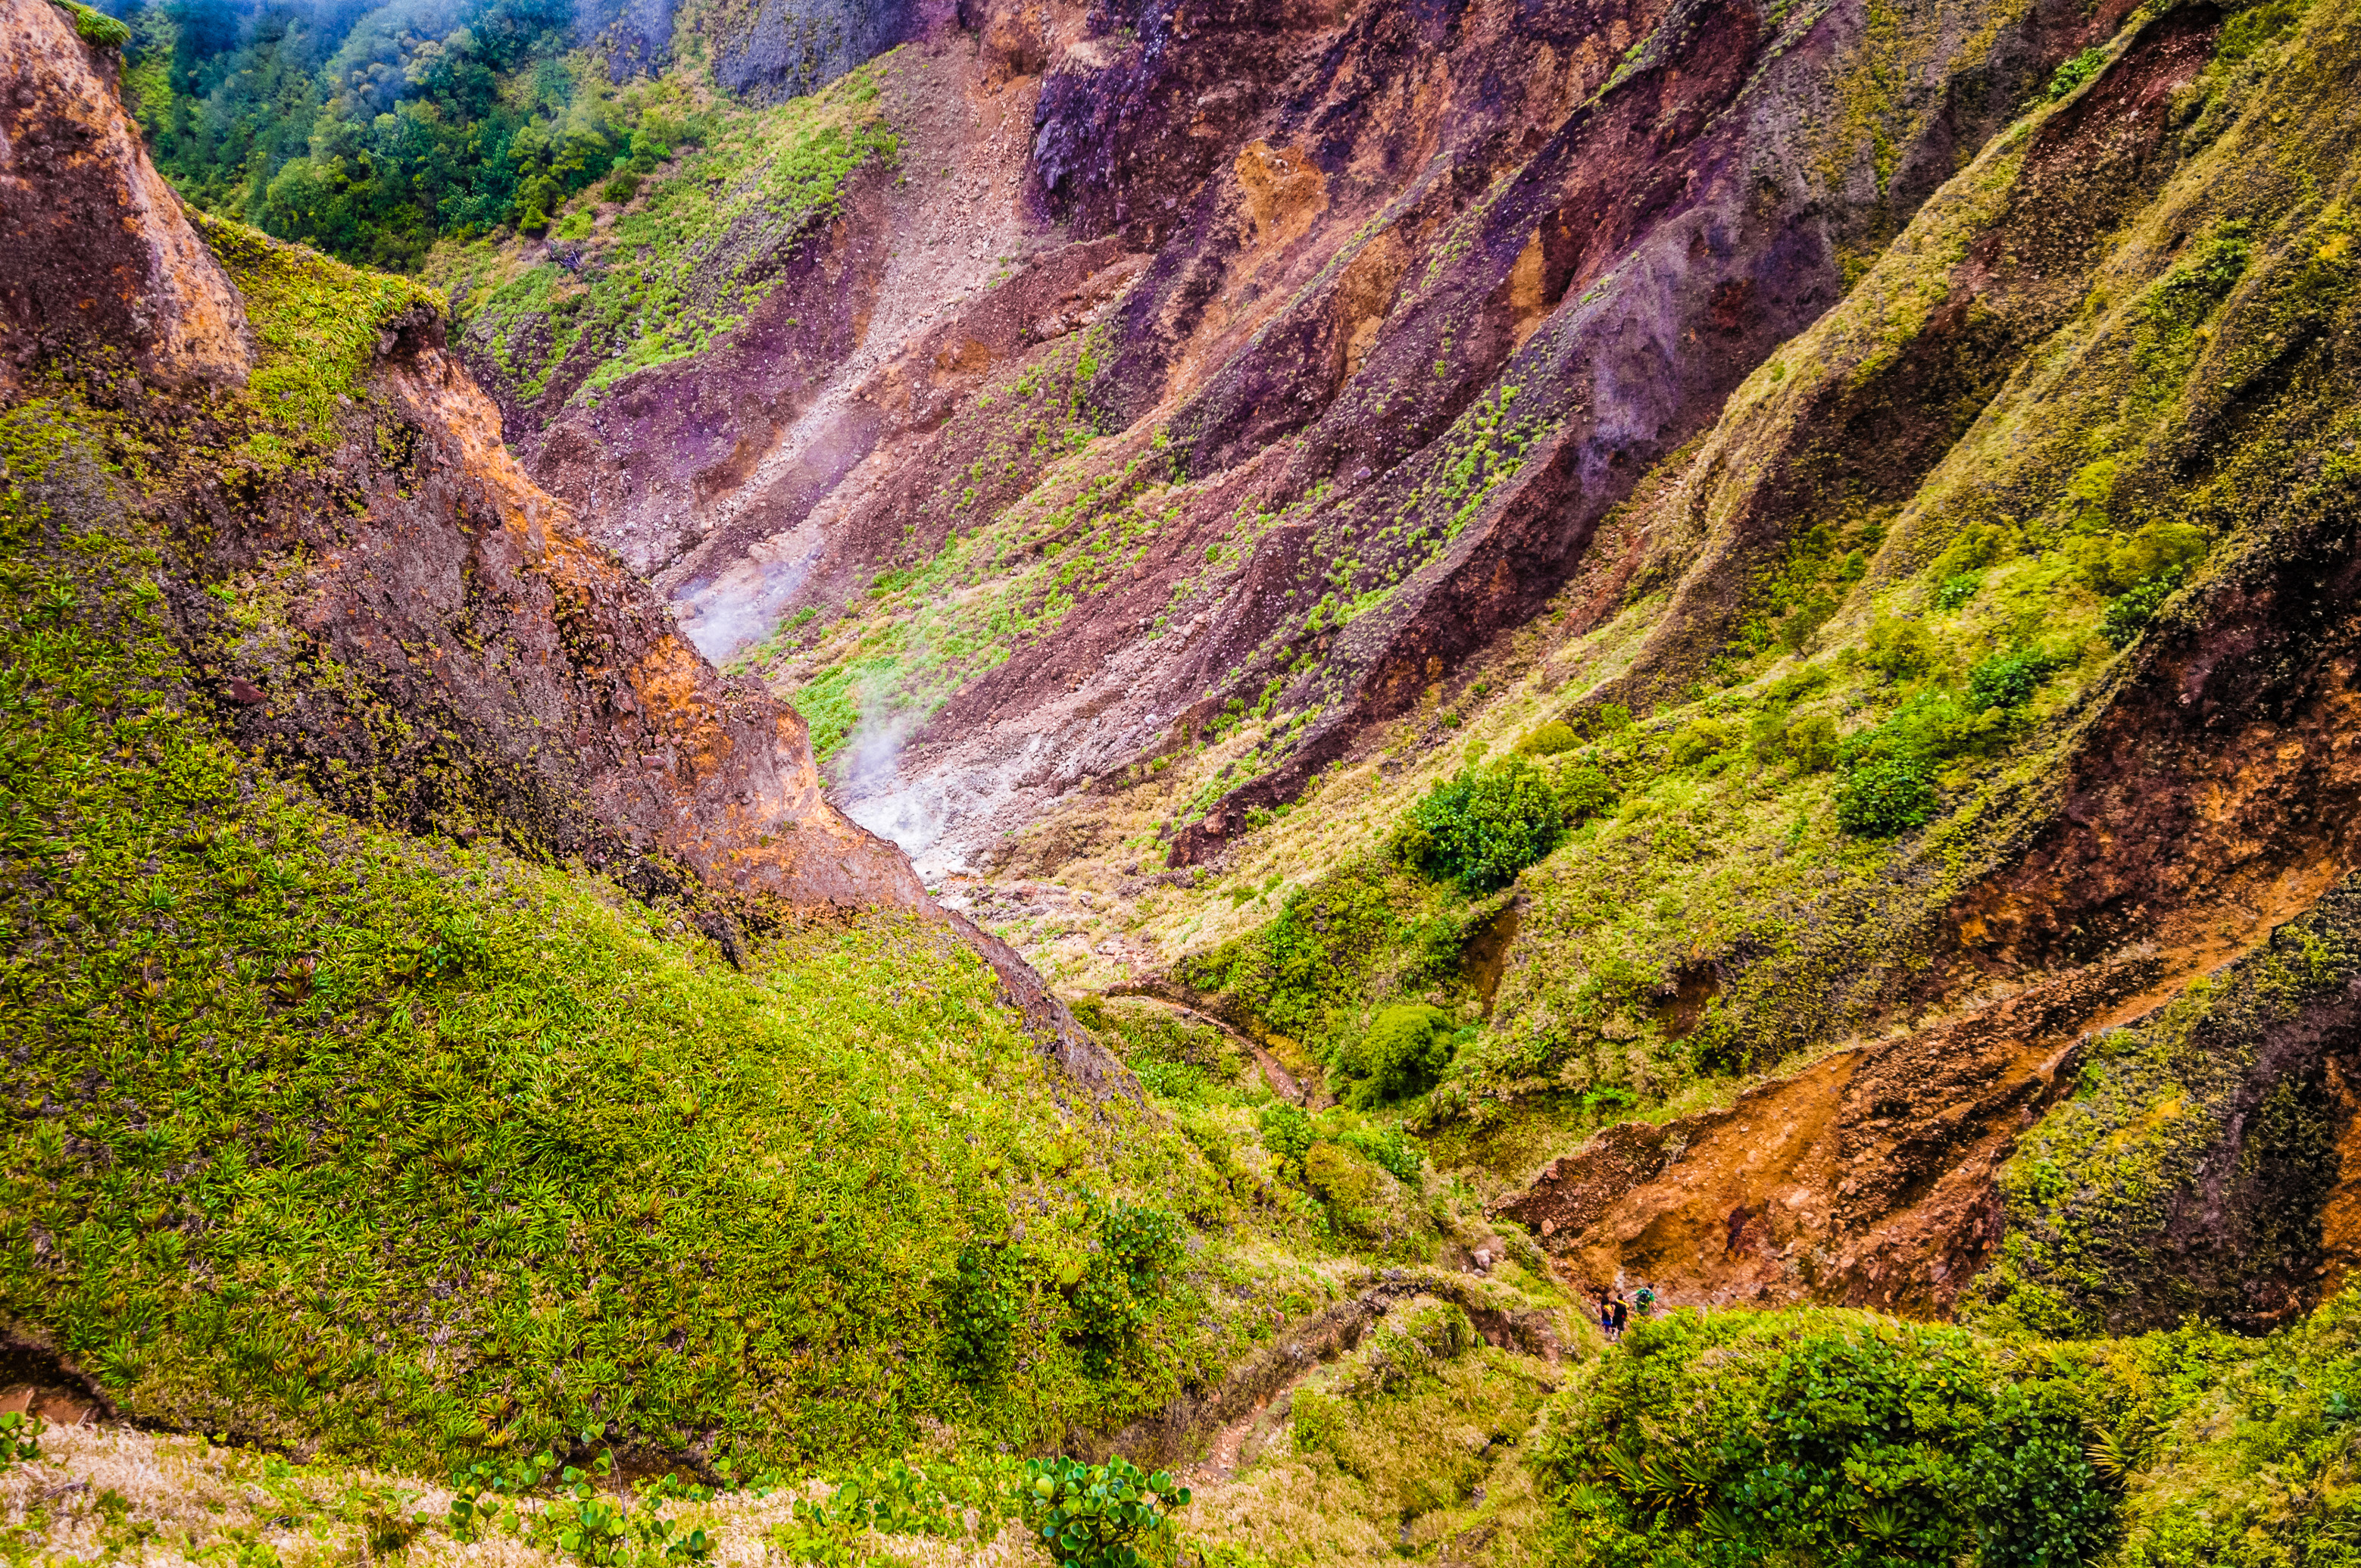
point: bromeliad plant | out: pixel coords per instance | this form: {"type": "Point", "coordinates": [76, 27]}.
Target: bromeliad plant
{"type": "Point", "coordinates": [604, 1532]}
{"type": "Point", "coordinates": [1099, 1516]}
{"type": "Point", "coordinates": [21, 1438]}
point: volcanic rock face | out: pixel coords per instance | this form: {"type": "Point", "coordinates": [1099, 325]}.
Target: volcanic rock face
{"type": "Point", "coordinates": [635, 36]}
{"type": "Point", "coordinates": [1422, 293]}
{"type": "Point", "coordinates": [126, 273]}
{"type": "Point", "coordinates": [782, 49]}
{"type": "Point", "coordinates": [432, 639]}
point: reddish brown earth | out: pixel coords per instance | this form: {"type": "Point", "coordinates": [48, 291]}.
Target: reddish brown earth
{"type": "Point", "coordinates": [122, 273]}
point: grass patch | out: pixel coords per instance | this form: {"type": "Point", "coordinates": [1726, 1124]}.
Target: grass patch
{"type": "Point", "coordinates": [317, 322]}
{"type": "Point", "coordinates": [700, 246]}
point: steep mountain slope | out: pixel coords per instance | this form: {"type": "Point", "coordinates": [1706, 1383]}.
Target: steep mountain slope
{"type": "Point", "coordinates": [2067, 416]}
{"type": "Point", "coordinates": [443, 1014]}
{"type": "Point", "coordinates": [1421, 411]}
{"type": "Point", "coordinates": [1733, 627]}
{"type": "Point", "coordinates": [1313, 440]}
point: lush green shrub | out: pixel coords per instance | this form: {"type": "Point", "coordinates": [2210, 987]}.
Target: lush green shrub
{"type": "Point", "coordinates": [981, 1308]}
{"type": "Point", "coordinates": [1900, 650]}
{"type": "Point", "coordinates": [1551, 739]}
{"type": "Point", "coordinates": [1973, 548]}
{"type": "Point", "coordinates": [1811, 743]}
{"type": "Point", "coordinates": [2008, 680]}
{"type": "Point", "coordinates": [1699, 739]}
{"type": "Point", "coordinates": [1286, 1132]}
{"type": "Point", "coordinates": [1607, 719]}
{"type": "Point", "coordinates": [96, 28]}
{"type": "Point", "coordinates": [1795, 627]}
{"type": "Point", "coordinates": [2077, 71]}
{"type": "Point", "coordinates": [1884, 795]}
{"type": "Point", "coordinates": [1584, 791]}
{"type": "Point", "coordinates": [1360, 1200]}
{"type": "Point", "coordinates": [21, 1438]}
{"type": "Point", "coordinates": [1394, 1154]}
{"type": "Point", "coordinates": [1098, 1515]}
{"type": "Point", "coordinates": [2115, 564]}
{"type": "Point", "coordinates": [1369, 930]}
{"type": "Point", "coordinates": [1834, 1438]}
{"type": "Point", "coordinates": [1405, 1050]}
{"type": "Point", "coordinates": [1172, 1080]}
{"type": "Point", "coordinates": [1958, 589]}
{"type": "Point", "coordinates": [1799, 683]}
{"type": "Point", "coordinates": [1119, 1287]}
{"type": "Point", "coordinates": [2129, 615]}
{"type": "Point", "coordinates": [1482, 826]}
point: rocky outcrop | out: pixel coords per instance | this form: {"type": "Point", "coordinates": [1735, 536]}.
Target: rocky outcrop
{"type": "Point", "coordinates": [634, 37]}
{"type": "Point", "coordinates": [771, 51]}
{"type": "Point", "coordinates": [97, 256]}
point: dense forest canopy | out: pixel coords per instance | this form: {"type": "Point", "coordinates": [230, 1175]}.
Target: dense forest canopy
{"type": "Point", "coordinates": [371, 130]}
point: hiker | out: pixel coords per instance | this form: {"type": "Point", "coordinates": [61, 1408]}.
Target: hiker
{"type": "Point", "coordinates": [1645, 1300]}
{"type": "Point", "coordinates": [1606, 1316]}
{"type": "Point", "coordinates": [1619, 1311]}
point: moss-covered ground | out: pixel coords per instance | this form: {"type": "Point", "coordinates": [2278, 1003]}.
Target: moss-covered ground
{"type": "Point", "coordinates": [316, 324]}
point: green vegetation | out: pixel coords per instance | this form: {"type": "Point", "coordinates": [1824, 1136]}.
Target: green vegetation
{"type": "Point", "coordinates": [2077, 71]}
{"type": "Point", "coordinates": [298, 1102]}
{"type": "Point", "coordinates": [1482, 825]}
{"type": "Point", "coordinates": [316, 323]}
{"type": "Point", "coordinates": [21, 1438]}
{"type": "Point", "coordinates": [1337, 951]}
{"type": "Point", "coordinates": [1411, 1444]}
{"type": "Point", "coordinates": [370, 131]}
{"type": "Point", "coordinates": [2102, 1234]}
{"type": "Point", "coordinates": [2129, 615]}
{"type": "Point", "coordinates": [1099, 1516]}
{"type": "Point", "coordinates": [1882, 797]}
{"type": "Point", "coordinates": [1403, 1053]}
{"type": "Point", "coordinates": [625, 1531]}
{"type": "Point", "coordinates": [95, 26]}
{"type": "Point", "coordinates": [1858, 1439]}
{"type": "Point", "coordinates": [1834, 1436]}
{"type": "Point", "coordinates": [1123, 1281]}
{"type": "Point", "coordinates": [1175, 1058]}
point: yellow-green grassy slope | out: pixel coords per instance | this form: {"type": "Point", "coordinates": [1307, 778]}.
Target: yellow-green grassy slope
{"type": "Point", "coordinates": [322, 1135]}
{"type": "Point", "coordinates": [672, 258]}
